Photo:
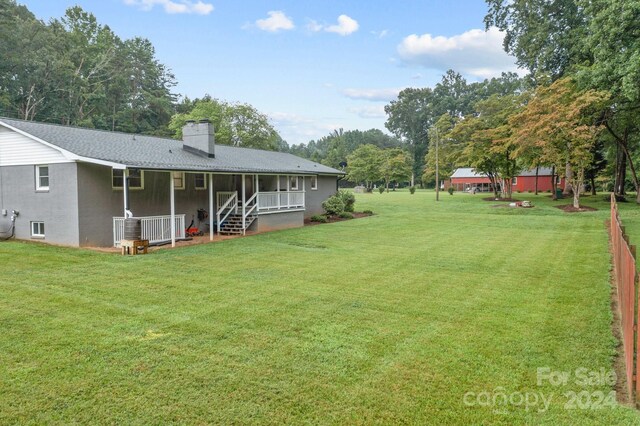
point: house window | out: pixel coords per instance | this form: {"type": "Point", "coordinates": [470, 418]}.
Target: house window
{"type": "Point", "coordinates": [293, 183]}
{"type": "Point", "coordinates": [200, 181]}
{"type": "Point", "coordinates": [514, 181]}
{"type": "Point", "coordinates": [314, 182]}
{"type": "Point", "coordinates": [178, 180]}
{"type": "Point", "coordinates": [42, 178]}
{"type": "Point", "coordinates": [37, 229]}
{"type": "Point", "coordinates": [136, 179]}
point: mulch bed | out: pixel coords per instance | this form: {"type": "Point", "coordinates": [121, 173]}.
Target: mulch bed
{"type": "Point", "coordinates": [570, 209]}
{"type": "Point", "coordinates": [332, 219]}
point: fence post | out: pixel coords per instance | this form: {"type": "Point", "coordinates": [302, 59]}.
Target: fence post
{"type": "Point", "coordinates": [625, 275]}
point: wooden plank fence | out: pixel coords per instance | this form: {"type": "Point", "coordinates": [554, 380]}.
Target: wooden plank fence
{"type": "Point", "coordinates": [625, 275]}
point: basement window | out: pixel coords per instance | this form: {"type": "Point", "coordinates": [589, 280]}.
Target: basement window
{"type": "Point", "coordinates": [37, 229]}
{"type": "Point", "coordinates": [42, 178]}
{"type": "Point", "coordinates": [178, 180]}
{"type": "Point", "coordinates": [200, 181]}
{"type": "Point", "coordinates": [136, 179]}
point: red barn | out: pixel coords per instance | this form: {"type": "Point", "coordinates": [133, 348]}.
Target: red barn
{"type": "Point", "coordinates": [466, 178]}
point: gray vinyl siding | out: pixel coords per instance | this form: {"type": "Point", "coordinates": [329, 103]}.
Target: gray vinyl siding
{"type": "Point", "coordinates": [100, 203]}
{"type": "Point", "coordinates": [97, 205]}
{"type": "Point", "coordinates": [327, 186]}
{"type": "Point", "coordinates": [57, 207]}
{"type": "Point", "coordinates": [79, 208]}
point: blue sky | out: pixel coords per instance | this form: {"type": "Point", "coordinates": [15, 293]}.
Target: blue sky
{"type": "Point", "coordinates": [311, 66]}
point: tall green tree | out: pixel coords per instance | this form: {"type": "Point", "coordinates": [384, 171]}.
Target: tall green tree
{"type": "Point", "coordinates": [546, 37]}
{"type": "Point", "coordinates": [563, 122]}
{"type": "Point", "coordinates": [76, 71]}
{"type": "Point", "coordinates": [395, 166]}
{"type": "Point", "coordinates": [449, 150]}
{"type": "Point", "coordinates": [613, 39]}
{"type": "Point", "coordinates": [364, 165]}
{"type": "Point", "coordinates": [416, 111]}
{"type": "Point", "coordinates": [409, 118]}
{"type": "Point", "coordinates": [234, 124]}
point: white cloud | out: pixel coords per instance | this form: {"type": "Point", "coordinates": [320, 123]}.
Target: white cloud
{"type": "Point", "coordinates": [277, 21]}
{"type": "Point", "coordinates": [345, 26]}
{"type": "Point", "coordinates": [383, 95]}
{"type": "Point", "coordinates": [475, 52]}
{"type": "Point", "coordinates": [173, 7]}
{"type": "Point", "coordinates": [295, 128]}
{"type": "Point", "coordinates": [380, 34]}
{"type": "Point", "coordinates": [313, 26]}
{"type": "Point", "coordinates": [369, 111]}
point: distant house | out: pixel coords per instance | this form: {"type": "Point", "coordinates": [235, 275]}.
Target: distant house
{"type": "Point", "coordinates": [75, 186]}
{"type": "Point", "coordinates": [466, 178]}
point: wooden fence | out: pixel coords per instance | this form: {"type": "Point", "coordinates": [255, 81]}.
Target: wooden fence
{"type": "Point", "coordinates": [625, 274]}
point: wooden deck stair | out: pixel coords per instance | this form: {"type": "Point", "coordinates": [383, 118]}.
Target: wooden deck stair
{"type": "Point", "coordinates": [233, 224]}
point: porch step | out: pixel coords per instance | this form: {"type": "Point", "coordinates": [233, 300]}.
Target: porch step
{"type": "Point", "coordinates": [233, 224]}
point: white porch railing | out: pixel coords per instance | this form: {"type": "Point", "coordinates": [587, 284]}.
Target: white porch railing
{"type": "Point", "coordinates": [227, 201]}
{"type": "Point", "coordinates": [284, 200]}
{"type": "Point", "coordinates": [156, 229]}
{"type": "Point", "coordinates": [223, 196]}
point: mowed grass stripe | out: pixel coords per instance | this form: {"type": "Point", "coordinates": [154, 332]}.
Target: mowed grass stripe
{"type": "Point", "coordinates": [391, 318]}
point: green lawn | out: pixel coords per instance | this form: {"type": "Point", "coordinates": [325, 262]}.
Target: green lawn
{"type": "Point", "coordinates": [388, 319]}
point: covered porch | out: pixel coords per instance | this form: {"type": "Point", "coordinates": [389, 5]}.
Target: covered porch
{"type": "Point", "coordinates": [212, 202]}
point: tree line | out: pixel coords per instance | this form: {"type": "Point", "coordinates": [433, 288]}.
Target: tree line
{"type": "Point", "coordinates": [577, 111]}
{"type": "Point", "coordinates": [77, 71]}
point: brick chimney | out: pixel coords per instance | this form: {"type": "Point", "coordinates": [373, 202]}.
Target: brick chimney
{"type": "Point", "coordinates": [199, 138]}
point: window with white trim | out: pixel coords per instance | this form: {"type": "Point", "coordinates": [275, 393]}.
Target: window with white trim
{"type": "Point", "coordinates": [136, 179]}
{"type": "Point", "coordinates": [37, 229]}
{"type": "Point", "coordinates": [200, 181]}
{"type": "Point", "coordinates": [514, 181]}
{"type": "Point", "coordinates": [42, 178]}
{"type": "Point", "coordinates": [178, 180]}
{"type": "Point", "coordinates": [293, 183]}
{"type": "Point", "coordinates": [314, 182]}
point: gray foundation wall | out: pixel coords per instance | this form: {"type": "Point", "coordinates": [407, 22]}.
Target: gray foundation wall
{"type": "Point", "coordinates": [275, 221]}
{"type": "Point", "coordinates": [327, 186]}
{"type": "Point", "coordinates": [57, 207]}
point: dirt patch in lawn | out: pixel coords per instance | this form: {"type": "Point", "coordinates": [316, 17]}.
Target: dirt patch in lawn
{"type": "Point", "coordinates": [333, 219]}
{"type": "Point", "coordinates": [500, 199]}
{"type": "Point", "coordinates": [570, 209]}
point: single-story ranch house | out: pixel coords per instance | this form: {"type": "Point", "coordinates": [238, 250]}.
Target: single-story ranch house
{"type": "Point", "coordinates": [75, 186]}
{"type": "Point", "coordinates": [466, 178]}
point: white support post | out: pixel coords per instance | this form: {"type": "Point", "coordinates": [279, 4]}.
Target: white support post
{"type": "Point", "coordinates": [304, 191]}
{"type": "Point", "coordinates": [288, 191]}
{"type": "Point", "coordinates": [278, 190]}
{"type": "Point", "coordinates": [125, 191]}
{"type": "Point", "coordinates": [257, 191]}
{"type": "Point", "coordinates": [244, 199]}
{"type": "Point", "coordinates": [210, 206]}
{"type": "Point", "coordinates": [173, 210]}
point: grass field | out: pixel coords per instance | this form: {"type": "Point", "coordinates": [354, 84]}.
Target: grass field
{"type": "Point", "coordinates": [393, 318]}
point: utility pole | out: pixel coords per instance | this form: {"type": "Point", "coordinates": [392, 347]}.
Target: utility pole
{"type": "Point", "coordinates": [435, 129]}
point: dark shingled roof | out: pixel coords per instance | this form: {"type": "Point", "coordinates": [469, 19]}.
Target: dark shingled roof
{"type": "Point", "coordinates": [151, 152]}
